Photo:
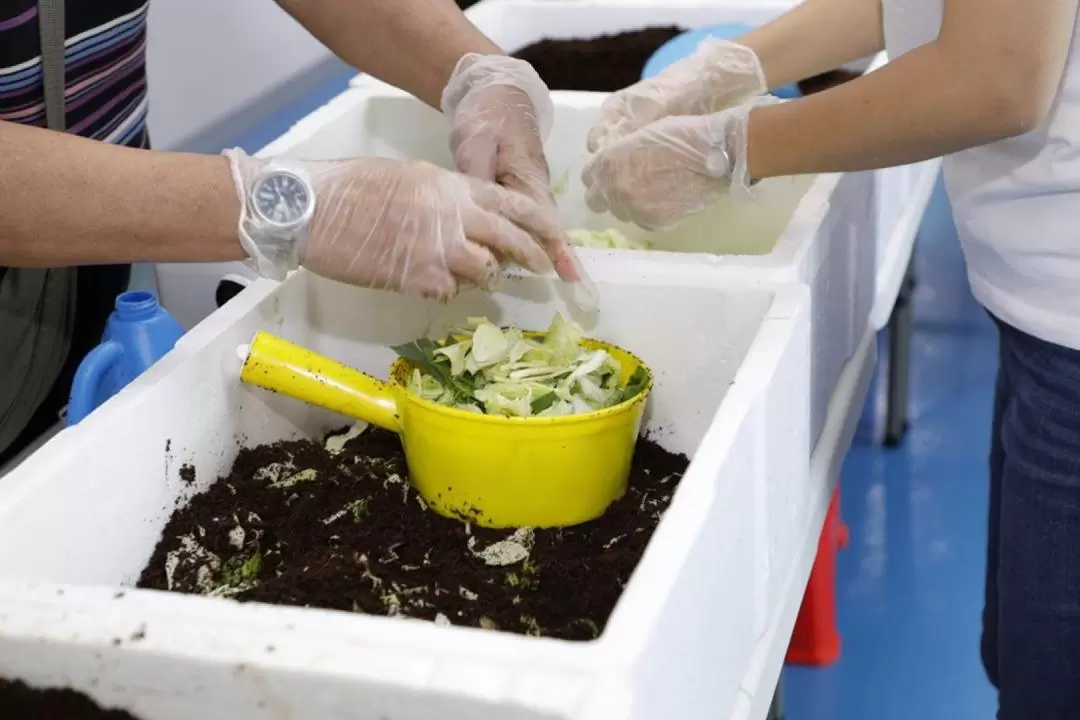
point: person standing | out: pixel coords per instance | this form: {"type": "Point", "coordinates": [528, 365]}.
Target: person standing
{"type": "Point", "coordinates": [994, 87]}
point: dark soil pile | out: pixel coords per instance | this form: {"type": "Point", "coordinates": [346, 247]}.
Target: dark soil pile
{"type": "Point", "coordinates": [19, 701]}
{"type": "Point", "coordinates": [612, 62]}
{"type": "Point", "coordinates": [601, 64]}
{"type": "Point", "coordinates": [296, 523]}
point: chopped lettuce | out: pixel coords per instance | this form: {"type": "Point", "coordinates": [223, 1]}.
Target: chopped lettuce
{"type": "Point", "coordinates": [610, 239]}
{"type": "Point", "coordinates": [560, 186]}
{"type": "Point", "coordinates": [497, 371]}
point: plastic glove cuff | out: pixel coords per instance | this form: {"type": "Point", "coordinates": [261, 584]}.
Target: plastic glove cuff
{"type": "Point", "coordinates": [271, 257]}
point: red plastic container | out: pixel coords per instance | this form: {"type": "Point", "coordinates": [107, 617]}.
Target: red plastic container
{"type": "Point", "coordinates": [815, 641]}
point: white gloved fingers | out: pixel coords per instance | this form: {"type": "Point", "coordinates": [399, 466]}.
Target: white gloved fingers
{"type": "Point", "coordinates": [656, 176]}
{"type": "Point", "coordinates": [624, 113]}
{"type": "Point", "coordinates": [521, 167]}
{"type": "Point", "coordinates": [718, 75]}
{"type": "Point", "coordinates": [473, 263]}
{"type": "Point", "coordinates": [476, 152]}
{"type": "Point", "coordinates": [496, 136]}
{"type": "Point", "coordinates": [536, 220]}
{"type": "Point", "coordinates": [411, 227]}
{"type": "Point", "coordinates": [505, 240]}
{"type": "Point", "coordinates": [595, 197]}
{"type": "Point", "coordinates": [597, 200]}
{"type": "Point", "coordinates": [732, 71]}
{"type": "Point", "coordinates": [433, 283]}
{"type": "Point", "coordinates": [476, 72]}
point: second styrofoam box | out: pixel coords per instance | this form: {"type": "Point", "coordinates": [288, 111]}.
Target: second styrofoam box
{"type": "Point", "coordinates": [80, 519]}
{"type": "Point", "coordinates": [815, 230]}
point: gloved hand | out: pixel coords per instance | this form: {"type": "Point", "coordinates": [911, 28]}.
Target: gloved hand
{"type": "Point", "coordinates": [410, 227]}
{"type": "Point", "coordinates": [500, 114]}
{"type": "Point", "coordinates": [717, 76]}
{"type": "Point", "coordinates": [675, 167]}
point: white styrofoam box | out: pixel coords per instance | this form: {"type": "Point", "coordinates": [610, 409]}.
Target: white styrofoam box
{"type": "Point", "coordinates": [825, 466]}
{"type": "Point", "coordinates": [903, 193]}
{"type": "Point", "coordinates": [814, 230]}
{"type": "Point", "coordinates": [79, 520]}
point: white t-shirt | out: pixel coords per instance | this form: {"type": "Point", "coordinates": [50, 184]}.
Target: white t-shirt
{"type": "Point", "coordinates": [1017, 201]}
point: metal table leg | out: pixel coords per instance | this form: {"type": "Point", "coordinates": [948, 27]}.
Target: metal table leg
{"type": "Point", "coordinates": [900, 328]}
{"type": "Point", "coordinates": [776, 710]}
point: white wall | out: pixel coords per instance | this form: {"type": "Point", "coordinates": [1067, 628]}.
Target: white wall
{"type": "Point", "coordinates": [218, 66]}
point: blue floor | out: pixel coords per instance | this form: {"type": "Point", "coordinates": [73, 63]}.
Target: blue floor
{"type": "Point", "coordinates": [909, 586]}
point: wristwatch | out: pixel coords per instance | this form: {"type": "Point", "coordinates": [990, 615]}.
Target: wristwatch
{"type": "Point", "coordinates": [280, 206]}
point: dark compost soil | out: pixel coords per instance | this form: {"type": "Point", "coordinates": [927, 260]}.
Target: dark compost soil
{"type": "Point", "coordinates": [600, 64]}
{"type": "Point", "coordinates": [296, 524]}
{"type": "Point", "coordinates": [611, 62]}
{"type": "Point", "coordinates": [19, 701]}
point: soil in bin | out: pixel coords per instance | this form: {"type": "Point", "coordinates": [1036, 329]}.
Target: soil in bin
{"type": "Point", "coordinates": [338, 526]}
{"type": "Point", "coordinates": [19, 701]}
{"type": "Point", "coordinates": [611, 62]}
{"type": "Point", "coordinates": [601, 64]}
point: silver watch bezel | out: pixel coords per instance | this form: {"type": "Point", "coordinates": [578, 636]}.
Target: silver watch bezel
{"type": "Point", "coordinates": [262, 220]}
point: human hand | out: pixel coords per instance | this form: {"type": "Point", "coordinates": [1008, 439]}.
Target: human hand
{"type": "Point", "coordinates": [500, 113]}
{"type": "Point", "coordinates": [409, 227]}
{"type": "Point", "coordinates": [675, 167]}
{"type": "Point", "coordinates": [717, 76]}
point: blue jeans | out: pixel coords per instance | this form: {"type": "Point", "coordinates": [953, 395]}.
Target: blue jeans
{"type": "Point", "coordinates": [1031, 619]}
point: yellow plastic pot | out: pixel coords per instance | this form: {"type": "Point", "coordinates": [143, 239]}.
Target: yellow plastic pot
{"type": "Point", "coordinates": [490, 470]}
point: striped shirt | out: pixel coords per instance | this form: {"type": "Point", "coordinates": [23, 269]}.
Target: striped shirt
{"type": "Point", "coordinates": [105, 57]}
{"type": "Point", "coordinates": [105, 99]}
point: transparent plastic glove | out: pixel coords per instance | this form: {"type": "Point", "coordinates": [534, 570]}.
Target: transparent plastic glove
{"type": "Point", "coordinates": [410, 227]}
{"type": "Point", "coordinates": [675, 167]}
{"type": "Point", "coordinates": [717, 76]}
{"type": "Point", "coordinates": [500, 114]}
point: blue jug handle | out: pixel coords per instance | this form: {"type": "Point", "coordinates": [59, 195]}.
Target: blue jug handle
{"type": "Point", "coordinates": [88, 379]}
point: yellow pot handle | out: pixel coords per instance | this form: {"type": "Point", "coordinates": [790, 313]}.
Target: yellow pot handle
{"type": "Point", "coordinates": [283, 367]}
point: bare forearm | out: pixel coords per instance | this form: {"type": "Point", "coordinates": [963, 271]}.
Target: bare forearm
{"type": "Point", "coordinates": [412, 44]}
{"type": "Point", "coordinates": [66, 201]}
{"type": "Point", "coordinates": [992, 73]}
{"type": "Point", "coordinates": [815, 37]}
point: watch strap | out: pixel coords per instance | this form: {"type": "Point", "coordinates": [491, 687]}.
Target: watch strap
{"type": "Point", "coordinates": [272, 252]}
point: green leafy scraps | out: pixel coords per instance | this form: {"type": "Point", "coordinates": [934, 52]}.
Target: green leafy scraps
{"type": "Point", "coordinates": [504, 371]}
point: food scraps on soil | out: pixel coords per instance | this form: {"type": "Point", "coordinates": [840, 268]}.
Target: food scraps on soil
{"type": "Point", "coordinates": [337, 525]}
{"type": "Point", "coordinates": [487, 369]}
{"type": "Point", "coordinates": [19, 701]}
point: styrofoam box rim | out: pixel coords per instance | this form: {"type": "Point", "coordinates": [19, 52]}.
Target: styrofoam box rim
{"type": "Point", "coordinates": [315, 640]}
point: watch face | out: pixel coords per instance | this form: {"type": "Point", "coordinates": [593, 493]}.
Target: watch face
{"type": "Point", "coordinates": [282, 198]}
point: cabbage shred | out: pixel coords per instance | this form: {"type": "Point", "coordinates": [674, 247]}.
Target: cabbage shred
{"type": "Point", "coordinates": [500, 371]}
{"type": "Point", "coordinates": [610, 239]}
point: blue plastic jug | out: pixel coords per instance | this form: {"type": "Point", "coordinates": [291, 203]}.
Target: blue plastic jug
{"type": "Point", "coordinates": [685, 44]}
{"type": "Point", "coordinates": [138, 334]}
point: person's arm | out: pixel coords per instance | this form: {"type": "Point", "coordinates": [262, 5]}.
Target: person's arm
{"type": "Point", "coordinates": [992, 73]}
{"type": "Point", "coordinates": [815, 37]}
{"type": "Point", "coordinates": [411, 44]}
{"type": "Point", "coordinates": [65, 200]}
{"type": "Point", "coordinates": [499, 109]}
